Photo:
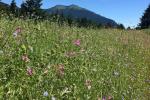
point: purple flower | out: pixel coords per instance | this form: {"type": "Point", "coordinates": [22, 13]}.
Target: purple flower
{"type": "Point", "coordinates": [104, 98]}
{"type": "Point", "coordinates": [29, 71]}
{"type": "Point", "coordinates": [77, 42]}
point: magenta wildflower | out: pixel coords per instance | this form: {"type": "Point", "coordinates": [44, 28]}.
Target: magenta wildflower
{"type": "Point", "coordinates": [77, 42]}
{"type": "Point", "coordinates": [104, 98]}
{"type": "Point", "coordinates": [29, 71]}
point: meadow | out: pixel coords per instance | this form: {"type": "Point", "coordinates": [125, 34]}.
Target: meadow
{"type": "Point", "coordinates": [44, 61]}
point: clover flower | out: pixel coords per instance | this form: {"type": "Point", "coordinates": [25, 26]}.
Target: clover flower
{"type": "Point", "coordinates": [77, 42]}
{"type": "Point", "coordinates": [29, 71]}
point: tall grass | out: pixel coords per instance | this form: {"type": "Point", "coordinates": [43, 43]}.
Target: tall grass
{"type": "Point", "coordinates": [44, 62]}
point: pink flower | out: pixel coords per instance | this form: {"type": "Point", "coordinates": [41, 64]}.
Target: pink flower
{"type": "Point", "coordinates": [17, 31]}
{"type": "Point", "coordinates": [77, 42]}
{"type": "Point", "coordinates": [88, 84]}
{"type": "Point", "coordinates": [25, 58]}
{"type": "Point", "coordinates": [104, 98]}
{"type": "Point", "coordinates": [29, 71]}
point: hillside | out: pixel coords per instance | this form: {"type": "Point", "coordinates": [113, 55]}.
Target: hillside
{"type": "Point", "coordinates": [74, 12]}
{"type": "Point", "coordinates": [79, 12]}
{"type": "Point", "coordinates": [46, 62]}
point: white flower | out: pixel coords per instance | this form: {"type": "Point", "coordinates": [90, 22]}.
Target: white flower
{"type": "Point", "coordinates": [53, 98]}
{"type": "Point", "coordinates": [15, 34]}
{"type": "Point", "coordinates": [89, 87]}
{"type": "Point", "coordinates": [116, 73]}
{"type": "Point", "coordinates": [45, 93]}
{"type": "Point", "coordinates": [94, 69]}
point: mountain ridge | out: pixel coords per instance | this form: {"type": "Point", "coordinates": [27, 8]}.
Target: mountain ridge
{"type": "Point", "coordinates": [74, 11]}
{"type": "Point", "coordinates": [78, 12]}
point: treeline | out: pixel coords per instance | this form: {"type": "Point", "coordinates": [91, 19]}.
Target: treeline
{"type": "Point", "coordinates": [31, 9]}
{"type": "Point", "coordinates": [145, 19]}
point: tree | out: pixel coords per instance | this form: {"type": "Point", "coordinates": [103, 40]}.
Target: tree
{"type": "Point", "coordinates": [129, 28]}
{"type": "Point", "coordinates": [145, 20]}
{"type": "Point", "coordinates": [13, 7]}
{"type": "Point", "coordinates": [120, 26]}
{"type": "Point", "coordinates": [23, 10]}
{"type": "Point", "coordinates": [108, 25]}
{"type": "Point", "coordinates": [32, 8]}
{"type": "Point", "coordinates": [70, 20]}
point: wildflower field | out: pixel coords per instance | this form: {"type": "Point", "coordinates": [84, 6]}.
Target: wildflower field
{"type": "Point", "coordinates": [43, 61]}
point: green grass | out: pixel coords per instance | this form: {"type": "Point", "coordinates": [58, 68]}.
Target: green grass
{"type": "Point", "coordinates": [116, 62]}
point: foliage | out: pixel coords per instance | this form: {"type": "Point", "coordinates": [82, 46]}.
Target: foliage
{"type": "Point", "coordinates": [45, 61]}
{"type": "Point", "coordinates": [32, 8]}
{"type": "Point", "coordinates": [145, 20]}
{"type": "Point", "coordinates": [13, 7]}
{"type": "Point", "coordinates": [120, 26]}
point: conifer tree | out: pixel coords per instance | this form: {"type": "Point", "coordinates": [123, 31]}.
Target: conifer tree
{"type": "Point", "coordinates": [145, 20]}
{"type": "Point", "coordinates": [13, 7]}
{"type": "Point", "coordinates": [32, 8]}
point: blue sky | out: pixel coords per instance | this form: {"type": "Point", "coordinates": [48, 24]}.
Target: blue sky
{"type": "Point", "coordinates": [127, 12]}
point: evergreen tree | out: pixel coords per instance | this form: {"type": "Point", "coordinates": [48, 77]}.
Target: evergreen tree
{"type": "Point", "coordinates": [23, 10]}
{"type": "Point", "coordinates": [120, 26]}
{"type": "Point", "coordinates": [13, 7]}
{"type": "Point", "coordinates": [70, 20]}
{"type": "Point", "coordinates": [32, 8]}
{"type": "Point", "coordinates": [61, 19]}
{"type": "Point", "coordinates": [108, 25]}
{"type": "Point", "coordinates": [129, 28]}
{"type": "Point", "coordinates": [145, 20]}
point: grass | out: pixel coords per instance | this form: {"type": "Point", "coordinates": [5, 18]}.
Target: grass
{"type": "Point", "coordinates": [107, 62]}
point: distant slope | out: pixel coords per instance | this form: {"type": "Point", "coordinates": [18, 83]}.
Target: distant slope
{"type": "Point", "coordinates": [73, 11]}
{"type": "Point", "coordinates": [79, 12]}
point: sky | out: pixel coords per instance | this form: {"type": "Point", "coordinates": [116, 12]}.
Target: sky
{"type": "Point", "coordinates": [127, 12]}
